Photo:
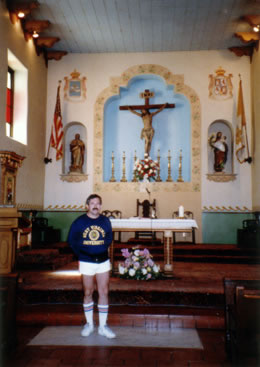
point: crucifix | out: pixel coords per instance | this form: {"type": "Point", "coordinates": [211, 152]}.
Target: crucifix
{"type": "Point", "coordinates": [147, 132]}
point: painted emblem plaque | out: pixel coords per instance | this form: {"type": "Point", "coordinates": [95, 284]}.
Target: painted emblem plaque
{"type": "Point", "coordinates": [75, 89]}
{"type": "Point", "coordinates": [220, 85]}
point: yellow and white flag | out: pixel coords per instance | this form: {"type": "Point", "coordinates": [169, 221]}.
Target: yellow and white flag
{"type": "Point", "coordinates": [241, 138]}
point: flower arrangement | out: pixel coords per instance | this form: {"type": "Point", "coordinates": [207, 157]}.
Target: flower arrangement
{"type": "Point", "coordinates": [138, 265]}
{"type": "Point", "coordinates": [145, 168]}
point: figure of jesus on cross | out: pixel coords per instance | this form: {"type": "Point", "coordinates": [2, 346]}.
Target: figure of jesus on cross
{"type": "Point", "coordinates": [147, 132]}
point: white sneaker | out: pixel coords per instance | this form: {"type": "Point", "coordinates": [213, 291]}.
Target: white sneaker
{"type": "Point", "coordinates": [87, 330]}
{"type": "Point", "coordinates": [106, 331]}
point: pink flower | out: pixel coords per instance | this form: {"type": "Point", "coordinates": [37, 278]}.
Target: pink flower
{"type": "Point", "coordinates": [125, 252]}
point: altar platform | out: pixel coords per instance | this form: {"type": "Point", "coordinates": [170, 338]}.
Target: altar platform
{"type": "Point", "coordinates": [192, 298]}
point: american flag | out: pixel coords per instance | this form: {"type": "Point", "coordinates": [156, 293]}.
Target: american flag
{"type": "Point", "coordinates": [56, 139]}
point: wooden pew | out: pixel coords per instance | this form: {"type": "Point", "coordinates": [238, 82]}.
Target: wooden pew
{"type": "Point", "coordinates": [242, 310]}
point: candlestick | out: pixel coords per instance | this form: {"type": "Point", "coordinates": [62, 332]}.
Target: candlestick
{"type": "Point", "coordinates": [112, 179]}
{"type": "Point", "coordinates": [169, 178]}
{"type": "Point", "coordinates": [158, 178]}
{"type": "Point", "coordinates": [134, 179]}
{"type": "Point", "coordinates": [180, 179]}
{"type": "Point", "coordinates": [123, 179]}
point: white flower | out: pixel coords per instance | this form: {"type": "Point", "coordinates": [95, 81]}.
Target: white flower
{"type": "Point", "coordinates": [137, 252]}
{"type": "Point", "coordinates": [156, 268]}
{"type": "Point", "coordinates": [121, 269]}
{"type": "Point", "coordinates": [132, 272]}
{"type": "Point", "coordinates": [144, 271]}
{"type": "Point", "coordinates": [146, 166]}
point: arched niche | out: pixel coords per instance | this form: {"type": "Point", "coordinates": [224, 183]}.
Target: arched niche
{"type": "Point", "coordinates": [220, 151]}
{"type": "Point", "coordinates": [70, 130]}
{"type": "Point", "coordinates": [113, 90]}
{"type": "Point", "coordinates": [172, 128]}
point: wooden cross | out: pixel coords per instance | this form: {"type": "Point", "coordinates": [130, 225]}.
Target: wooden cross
{"type": "Point", "coordinates": [146, 95]}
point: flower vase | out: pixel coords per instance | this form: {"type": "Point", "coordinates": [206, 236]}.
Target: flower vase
{"type": "Point", "coordinates": [144, 184]}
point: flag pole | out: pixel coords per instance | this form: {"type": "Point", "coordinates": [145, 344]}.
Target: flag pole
{"type": "Point", "coordinates": [47, 159]}
{"type": "Point", "coordinates": [248, 159]}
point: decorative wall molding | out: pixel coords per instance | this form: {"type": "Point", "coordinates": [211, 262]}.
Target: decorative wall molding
{"type": "Point", "coordinates": [114, 89]}
{"type": "Point", "coordinates": [224, 209]}
{"type": "Point", "coordinates": [23, 206]}
{"type": "Point", "coordinates": [74, 177]}
{"type": "Point", "coordinates": [221, 177]}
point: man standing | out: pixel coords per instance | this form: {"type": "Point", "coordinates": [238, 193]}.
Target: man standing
{"type": "Point", "coordinates": [90, 236]}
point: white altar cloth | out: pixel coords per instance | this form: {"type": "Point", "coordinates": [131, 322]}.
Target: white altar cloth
{"type": "Point", "coordinates": [152, 224]}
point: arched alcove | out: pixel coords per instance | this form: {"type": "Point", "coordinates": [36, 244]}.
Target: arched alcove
{"type": "Point", "coordinates": [220, 151]}
{"type": "Point", "coordinates": [172, 128]}
{"type": "Point", "coordinates": [70, 131]}
{"type": "Point", "coordinates": [175, 83]}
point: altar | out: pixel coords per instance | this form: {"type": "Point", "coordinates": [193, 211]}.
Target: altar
{"type": "Point", "coordinates": [166, 226]}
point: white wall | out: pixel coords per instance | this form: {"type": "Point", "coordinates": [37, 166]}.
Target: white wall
{"type": "Point", "coordinates": [196, 67]}
{"type": "Point", "coordinates": [30, 178]}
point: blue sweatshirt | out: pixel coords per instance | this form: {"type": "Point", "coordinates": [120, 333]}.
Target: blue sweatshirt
{"type": "Point", "coordinates": [90, 238]}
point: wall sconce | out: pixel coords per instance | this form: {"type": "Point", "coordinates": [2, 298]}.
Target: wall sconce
{"type": "Point", "coordinates": [35, 34]}
{"type": "Point", "coordinates": [32, 28]}
{"type": "Point", "coordinates": [20, 10]}
{"type": "Point", "coordinates": [256, 28]}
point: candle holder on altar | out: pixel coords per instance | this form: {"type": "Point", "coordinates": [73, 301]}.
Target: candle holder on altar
{"type": "Point", "coordinates": [112, 179]}
{"type": "Point", "coordinates": [158, 178]}
{"type": "Point", "coordinates": [134, 179]}
{"type": "Point", "coordinates": [123, 179]}
{"type": "Point", "coordinates": [180, 179]}
{"type": "Point", "coordinates": [169, 178]}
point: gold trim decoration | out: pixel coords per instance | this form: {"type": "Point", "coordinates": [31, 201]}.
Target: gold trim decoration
{"type": "Point", "coordinates": [65, 208]}
{"type": "Point", "coordinates": [72, 177]}
{"type": "Point", "coordinates": [221, 177]}
{"type": "Point", "coordinates": [114, 89]}
{"type": "Point", "coordinates": [224, 209]}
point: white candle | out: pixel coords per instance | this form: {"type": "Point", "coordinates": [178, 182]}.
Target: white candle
{"type": "Point", "coordinates": [181, 211]}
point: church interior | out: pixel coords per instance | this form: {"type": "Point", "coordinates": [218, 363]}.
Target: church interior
{"type": "Point", "coordinates": [155, 106]}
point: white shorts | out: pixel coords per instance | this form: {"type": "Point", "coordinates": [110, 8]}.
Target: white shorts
{"type": "Point", "coordinates": [94, 268]}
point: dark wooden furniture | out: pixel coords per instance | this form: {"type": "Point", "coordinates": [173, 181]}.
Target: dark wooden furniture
{"type": "Point", "coordinates": [187, 215]}
{"type": "Point", "coordinates": [242, 308]}
{"type": "Point", "coordinates": [42, 233]}
{"type": "Point", "coordinates": [116, 214]}
{"type": "Point", "coordinates": [145, 209]}
{"type": "Point", "coordinates": [249, 235]}
{"type": "Point", "coordinates": [8, 290]}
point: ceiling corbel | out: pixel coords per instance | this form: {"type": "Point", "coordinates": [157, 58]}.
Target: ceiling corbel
{"type": "Point", "coordinates": [247, 37]}
{"type": "Point", "coordinates": [243, 51]}
{"type": "Point", "coordinates": [53, 55]}
{"type": "Point", "coordinates": [44, 42]}
{"type": "Point", "coordinates": [253, 20]}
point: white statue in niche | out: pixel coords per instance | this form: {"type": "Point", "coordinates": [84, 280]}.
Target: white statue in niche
{"type": "Point", "coordinates": [77, 149]}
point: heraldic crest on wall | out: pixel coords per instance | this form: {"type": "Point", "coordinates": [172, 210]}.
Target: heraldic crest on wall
{"type": "Point", "coordinates": [75, 89]}
{"type": "Point", "coordinates": [220, 85]}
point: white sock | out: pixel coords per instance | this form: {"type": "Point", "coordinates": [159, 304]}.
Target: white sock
{"type": "Point", "coordinates": [88, 311]}
{"type": "Point", "coordinates": [102, 313]}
